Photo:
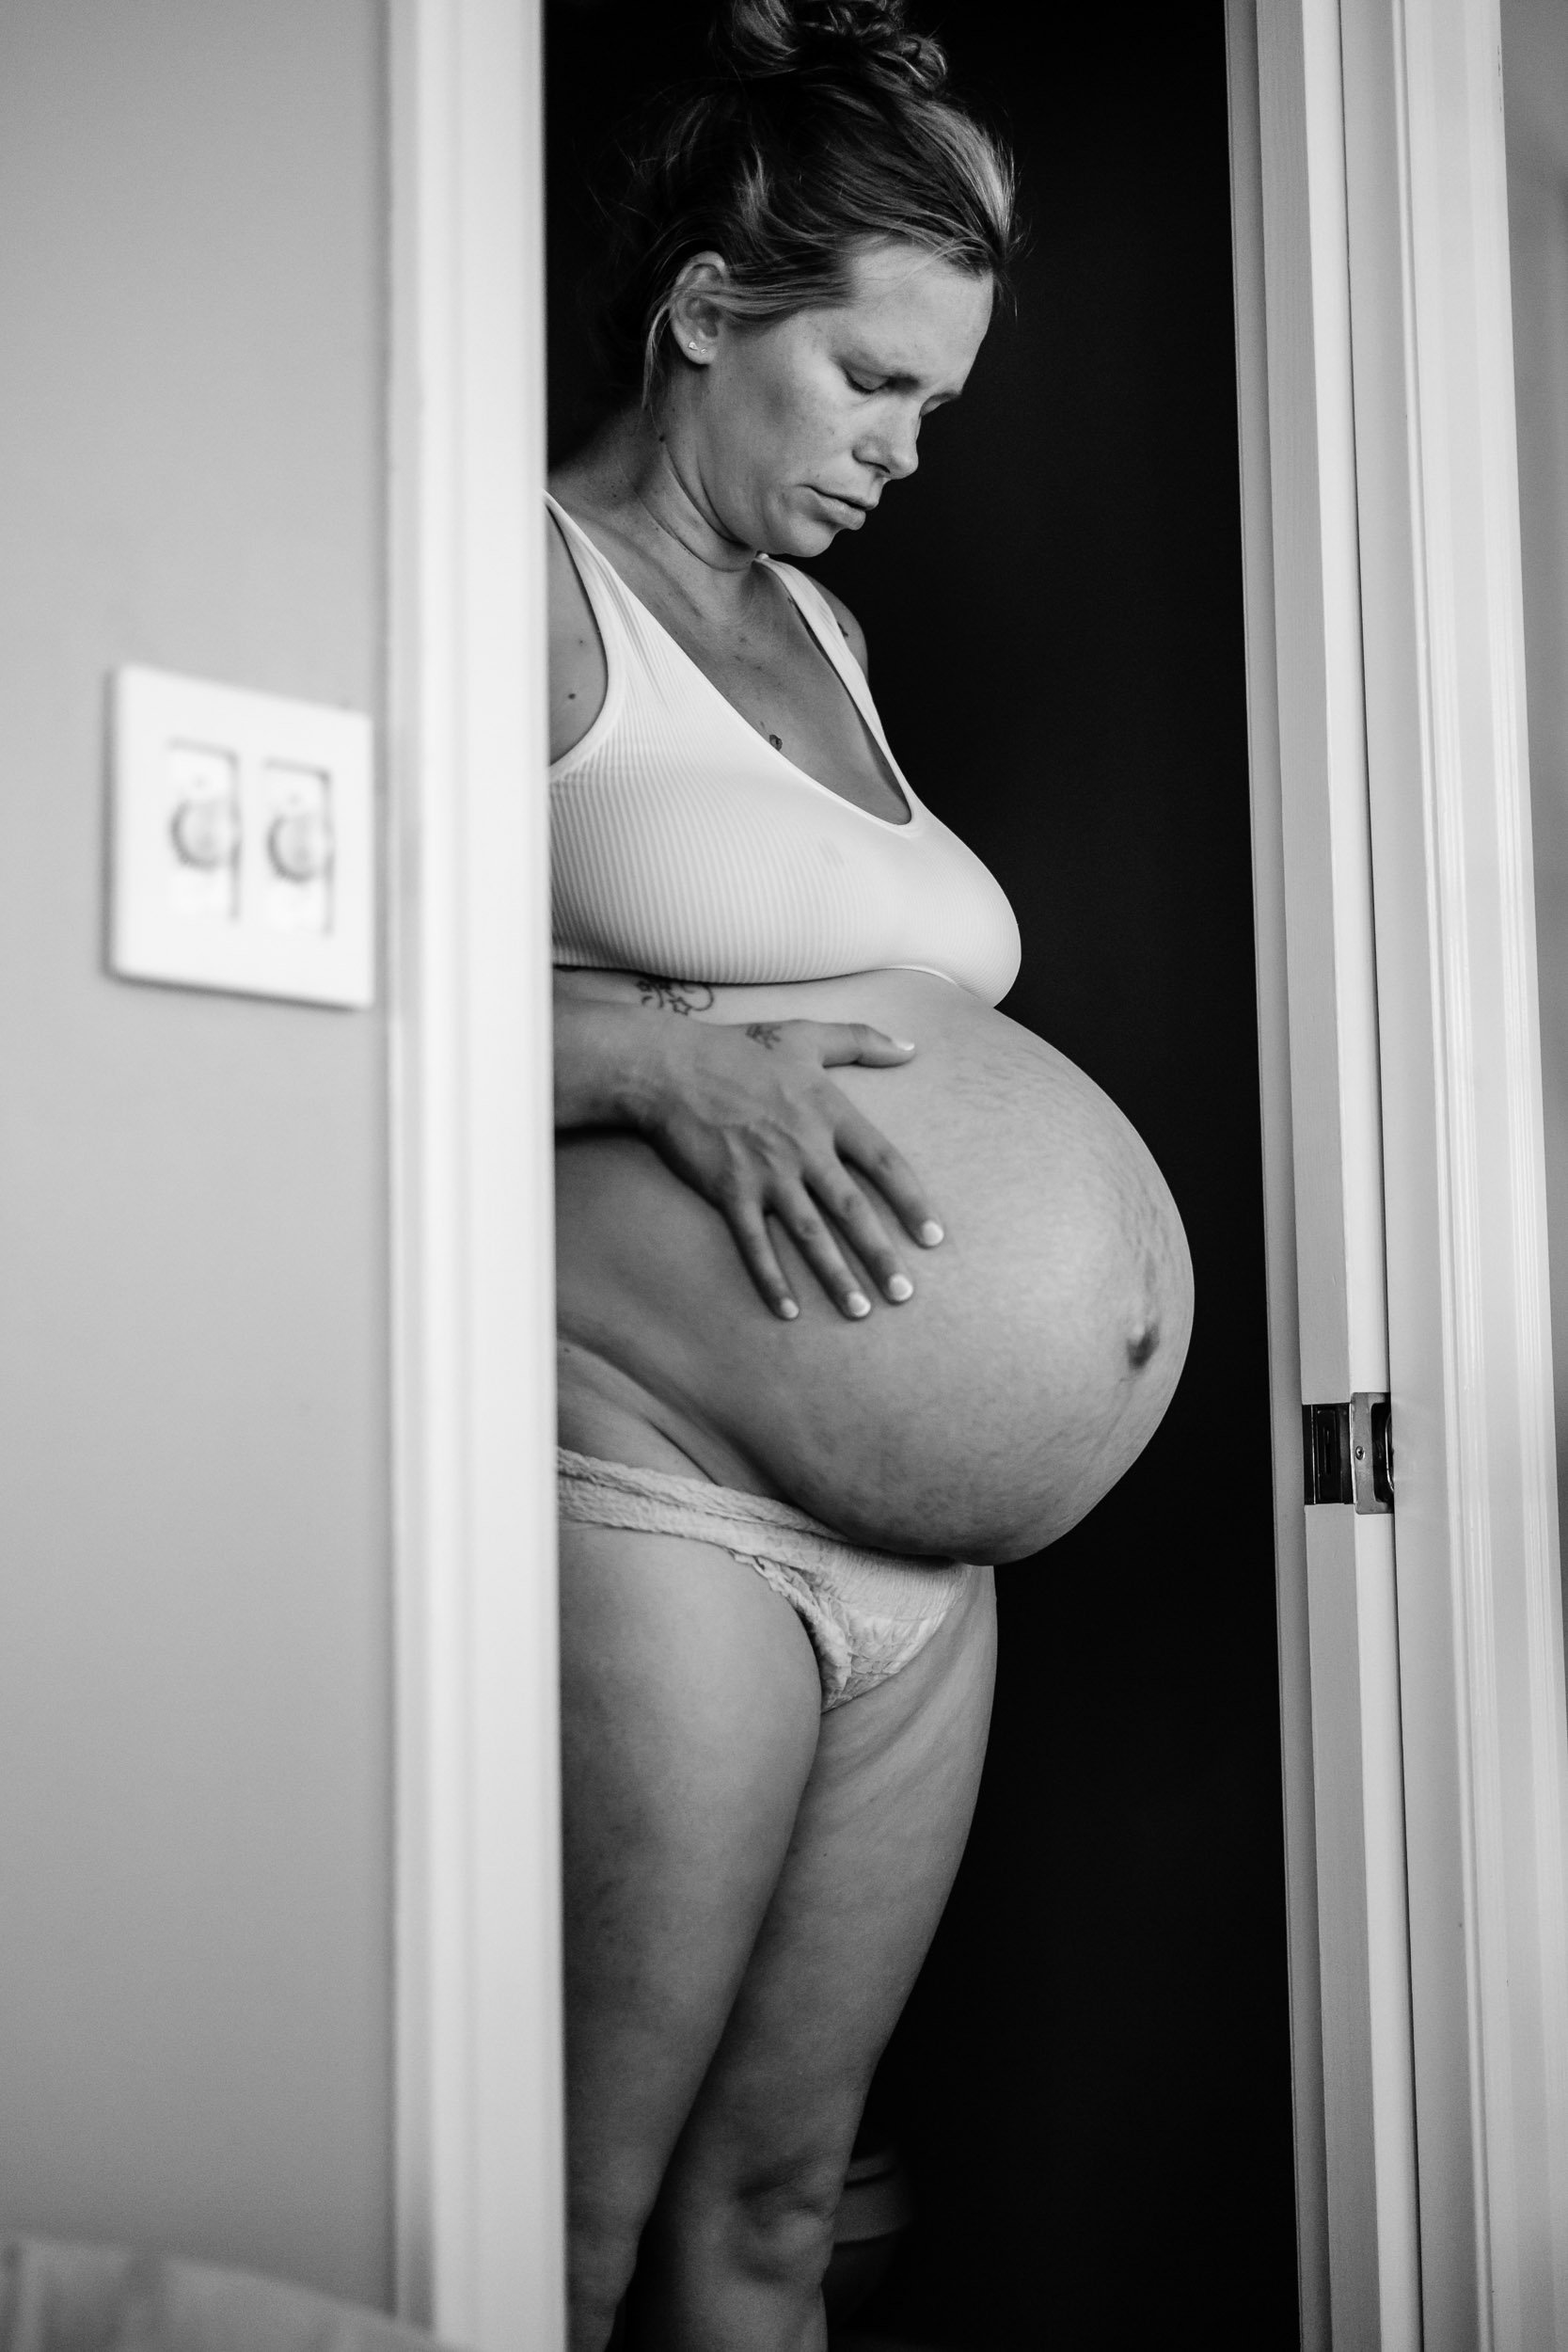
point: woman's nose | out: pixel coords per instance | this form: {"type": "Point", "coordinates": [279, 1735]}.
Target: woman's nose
{"type": "Point", "coordinates": [893, 449]}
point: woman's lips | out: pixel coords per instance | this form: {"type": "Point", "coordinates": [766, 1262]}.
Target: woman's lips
{"type": "Point", "coordinates": [842, 510]}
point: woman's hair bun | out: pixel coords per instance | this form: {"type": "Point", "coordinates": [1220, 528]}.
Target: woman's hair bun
{"type": "Point", "coordinates": [823, 126]}
{"type": "Point", "coordinates": [760, 40]}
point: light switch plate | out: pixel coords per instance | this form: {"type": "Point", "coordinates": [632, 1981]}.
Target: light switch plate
{"type": "Point", "coordinates": [243, 848]}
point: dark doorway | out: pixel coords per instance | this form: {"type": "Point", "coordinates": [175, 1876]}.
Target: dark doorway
{"type": "Point", "coordinates": [1092, 2081]}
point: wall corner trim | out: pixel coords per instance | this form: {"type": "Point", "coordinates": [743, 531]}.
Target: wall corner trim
{"type": "Point", "coordinates": [478, 2162]}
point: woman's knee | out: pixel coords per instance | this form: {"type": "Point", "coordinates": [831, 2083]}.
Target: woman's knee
{"type": "Point", "coordinates": [781, 2241]}
{"type": "Point", "coordinates": [769, 2225]}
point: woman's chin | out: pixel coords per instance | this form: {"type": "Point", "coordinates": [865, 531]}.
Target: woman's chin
{"type": "Point", "coordinates": [800, 539]}
{"type": "Point", "coordinates": [802, 531]}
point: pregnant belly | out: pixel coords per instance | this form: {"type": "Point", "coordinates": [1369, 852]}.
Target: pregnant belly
{"type": "Point", "coordinates": [982, 1417]}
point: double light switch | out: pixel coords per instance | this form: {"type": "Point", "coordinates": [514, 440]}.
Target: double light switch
{"type": "Point", "coordinates": [244, 847]}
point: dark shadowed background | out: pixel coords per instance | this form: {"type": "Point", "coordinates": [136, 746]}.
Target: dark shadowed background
{"type": "Point", "coordinates": [1091, 2083]}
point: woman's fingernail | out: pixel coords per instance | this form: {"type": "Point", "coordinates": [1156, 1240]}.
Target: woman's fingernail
{"type": "Point", "coordinates": [930, 1233]}
{"type": "Point", "coordinates": [899, 1287]}
{"type": "Point", "coordinates": [789, 1309]}
{"type": "Point", "coordinates": [856, 1303]}
{"type": "Point", "coordinates": [905, 1044]}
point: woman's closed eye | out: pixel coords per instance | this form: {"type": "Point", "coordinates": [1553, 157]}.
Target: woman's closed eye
{"type": "Point", "coordinates": [870, 387]}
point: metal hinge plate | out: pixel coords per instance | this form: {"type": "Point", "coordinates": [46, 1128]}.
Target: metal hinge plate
{"type": "Point", "coordinates": [1348, 1452]}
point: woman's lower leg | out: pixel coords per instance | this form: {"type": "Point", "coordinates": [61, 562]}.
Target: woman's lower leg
{"type": "Point", "coordinates": [746, 2270]}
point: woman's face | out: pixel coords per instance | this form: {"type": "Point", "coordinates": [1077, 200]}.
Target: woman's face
{"type": "Point", "coordinates": [786, 435]}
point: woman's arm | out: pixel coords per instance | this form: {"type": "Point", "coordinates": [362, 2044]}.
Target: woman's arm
{"type": "Point", "coordinates": [749, 1118]}
{"type": "Point", "coordinates": [579, 676]}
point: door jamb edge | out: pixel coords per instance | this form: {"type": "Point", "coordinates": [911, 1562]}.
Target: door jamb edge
{"type": "Point", "coordinates": [478, 2170]}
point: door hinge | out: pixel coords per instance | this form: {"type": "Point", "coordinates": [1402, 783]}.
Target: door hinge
{"type": "Point", "coordinates": [1348, 1452]}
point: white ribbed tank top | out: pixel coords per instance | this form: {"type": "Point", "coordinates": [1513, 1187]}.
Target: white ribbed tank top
{"type": "Point", "coordinates": [683, 844]}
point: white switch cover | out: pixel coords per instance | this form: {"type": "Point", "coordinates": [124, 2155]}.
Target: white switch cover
{"type": "Point", "coordinates": [244, 841]}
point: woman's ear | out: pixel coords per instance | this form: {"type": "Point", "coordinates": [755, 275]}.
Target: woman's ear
{"type": "Point", "coordinates": [697, 306]}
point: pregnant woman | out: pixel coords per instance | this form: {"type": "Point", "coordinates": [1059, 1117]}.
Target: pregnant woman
{"type": "Point", "coordinates": [862, 1287]}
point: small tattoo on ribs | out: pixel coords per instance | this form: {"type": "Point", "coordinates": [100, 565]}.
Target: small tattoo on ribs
{"type": "Point", "coordinates": [674, 995]}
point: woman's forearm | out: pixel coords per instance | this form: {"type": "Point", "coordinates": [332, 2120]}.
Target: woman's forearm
{"type": "Point", "coordinates": [746, 1113]}
{"type": "Point", "coordinates": [610, 1061]}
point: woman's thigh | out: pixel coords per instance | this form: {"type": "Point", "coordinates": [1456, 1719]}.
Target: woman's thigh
{"type": "Point", "coordinates": [691, 1712]}
{"type": "Point", "coordinates": [878, 1836]}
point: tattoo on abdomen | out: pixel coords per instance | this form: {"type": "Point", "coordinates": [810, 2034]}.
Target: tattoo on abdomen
{"type": "Point", "coordinates": [674, 995]}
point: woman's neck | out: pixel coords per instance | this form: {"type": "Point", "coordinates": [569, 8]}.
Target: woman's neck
{"type": "Point", "coordinates": [635, 482]}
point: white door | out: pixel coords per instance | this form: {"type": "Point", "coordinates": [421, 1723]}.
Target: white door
{"type": "Point", "coordinates": [1356, 2150]}
{"type": "Point", "coordinates": [1422, 1655]}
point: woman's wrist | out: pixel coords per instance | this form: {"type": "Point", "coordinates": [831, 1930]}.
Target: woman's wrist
{"type": "Point", "coordinates": [611, 1065]}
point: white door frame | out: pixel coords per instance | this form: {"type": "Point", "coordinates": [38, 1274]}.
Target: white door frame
{"type": "Point", "coordinates": [478, 2208]}
{"type": "Point", "coordinates": [1421, 1659]}
{"type": "Point", "coordinates": [1480, 1613]}
{"type": "Point", "coordinates": [1386, 639]}
{"type": "Point", "coordinates": [1356, 2157]}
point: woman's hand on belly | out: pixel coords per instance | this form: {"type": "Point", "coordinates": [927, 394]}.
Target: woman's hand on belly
{"type": "Point", "coordinates": [745, 1114]}
{"type": "Point", "coordinates": [983, 1418]}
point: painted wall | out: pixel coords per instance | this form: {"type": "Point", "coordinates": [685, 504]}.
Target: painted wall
{"type": "Point", "coordinates": [1535, 89]}
{"type": "Point", "coordinates": [195, 1943]}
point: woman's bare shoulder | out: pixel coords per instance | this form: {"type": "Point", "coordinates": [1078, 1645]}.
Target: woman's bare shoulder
{"type": "Point", "coordinates": [854, 636]}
